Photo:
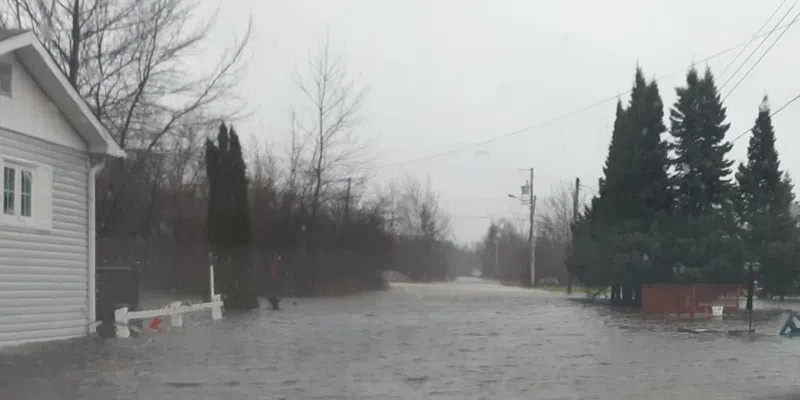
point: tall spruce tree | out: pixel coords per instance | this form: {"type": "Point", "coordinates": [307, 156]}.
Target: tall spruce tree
{"type": "Point", "coordinates": [764, 208]}
{"type": "Point", "coordinates": [241, 230]}
{"type": "Point", "coordinates": [698, 130]}
{"type": "Point", "coordinates": [652, 161]}
{"type": "Point", "coordinates": [228, 219]}
{"type": "Point", "coordinates": [706, 247]}
{"type": "Point", "coordinates": [611, 185]}
{"type": "Point", "coordinates": [648, 184]}
{"type": "Point", "coordinates": [634, 191]}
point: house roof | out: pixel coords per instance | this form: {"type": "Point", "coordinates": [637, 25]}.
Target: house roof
{"type": "Point", "coordinates": [9, 33]}
{"type": "Point", "coordinates": [38, 63]}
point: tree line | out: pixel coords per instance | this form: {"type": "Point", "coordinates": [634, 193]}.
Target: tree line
{"type": "Point", "coordinates": [168, 209]}
{"type": "Point", "coordinates": [670, 208]}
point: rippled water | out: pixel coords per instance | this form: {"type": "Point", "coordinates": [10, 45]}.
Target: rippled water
{"type": "Point", "coordinates": [462, 340]}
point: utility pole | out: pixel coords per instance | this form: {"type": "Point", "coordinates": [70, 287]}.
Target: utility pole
{"type": "Point", "coordinates": [529, 274]}
{"type": "Point", "coordinates": [346, 215]}
{"type": "Point", "coordinates": [575, 197]}
{"type": "Point", "coordinates": [496, 256]}
{"type": "Point", "coordinates": [531, 238]}
{"type": "Point", "coordinates": [347, 201]}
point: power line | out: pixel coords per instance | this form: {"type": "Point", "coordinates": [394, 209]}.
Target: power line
{"type": "Point", "coordinates": [504, 213]}
{"type": "Point", "coordinates": [569, 114]}
{"type": "Point", "coordinates": [762, 56]}
{"type": "Point", "coordinates": [593, 190]}
{"type": "Point", "coordinates": [480, 217]}
{"type": "Point", "coordinates": [774, 113]}
{"type": "Point", "coordinates": [783, 107]}
{"type": "Point", "coordinates": [753, 39]}
{"type": "Point", "coordinates": [771, 115]}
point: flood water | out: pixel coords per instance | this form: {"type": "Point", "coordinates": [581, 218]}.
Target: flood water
{"type": "Point", "coordinates": [468, 339]}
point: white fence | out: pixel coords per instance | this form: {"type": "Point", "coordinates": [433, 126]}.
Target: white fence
{"type": "Point", "coordinates": [174, 311]}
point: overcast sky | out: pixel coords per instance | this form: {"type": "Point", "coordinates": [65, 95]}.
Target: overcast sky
{"type": "Point", "coordinates": [448, 73]}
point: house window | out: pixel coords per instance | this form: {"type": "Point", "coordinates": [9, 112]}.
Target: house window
{"type": "Point", "coordinates": [9, 190]}
{"type": "Point", "coordinates": [5, 79]}
{"type": "Point", "coordinates": [27, 194]}
{"type": "Point", "coordinates": [18, 190]}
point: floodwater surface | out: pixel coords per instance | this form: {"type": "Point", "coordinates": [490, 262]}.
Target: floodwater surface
{"type": "Point", "coordinates": [468, 339]}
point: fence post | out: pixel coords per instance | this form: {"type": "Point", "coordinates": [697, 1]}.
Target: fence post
{"type": "Point", "coordinates": [216, 308]}
{"type": "Point", "coordinates": [211, 279]}
{"type": "Point", "coordinates": [121, 321]}
{"type": "Point", "coordinates": [176, 320]}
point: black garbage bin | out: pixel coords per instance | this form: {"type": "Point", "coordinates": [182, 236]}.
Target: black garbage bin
{"type": "Point", "coordinates": [116, 287]}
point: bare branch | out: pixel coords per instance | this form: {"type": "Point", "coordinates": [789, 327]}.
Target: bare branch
{"type": "Point", "coordinates": [419, 211]}
{"type": "Point", "coordinates": [334, 104]}
{"type": "Point", "coordinates": [128, 59]}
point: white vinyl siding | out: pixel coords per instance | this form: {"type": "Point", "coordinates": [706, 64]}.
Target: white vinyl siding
{"type": "Point", "coordinates": [44, 266]}
{"type": "Point", "coordinates": [30, 111]}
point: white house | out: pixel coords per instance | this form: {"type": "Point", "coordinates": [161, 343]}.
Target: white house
{"type": "Point", "coordinates": [51, 149]}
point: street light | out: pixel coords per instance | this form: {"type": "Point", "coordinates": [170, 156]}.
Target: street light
{"type": "Point", "coordinates": [520, 199]}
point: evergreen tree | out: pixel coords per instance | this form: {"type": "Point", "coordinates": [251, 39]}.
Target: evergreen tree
{"type": "Point", "coordinates": [698, 131]}
{"type": "Point", "coordinates": [636, 184]}
{"type": "Point", "coordinates": [608, 203]}
{"type": "Point", "coordinates": [646, 116]}
{"type": "Point", "coordinates": [764, 208]}
{"type": "Point", "coordinates": [706, 247]}
{"type": "Point", "coordinates": [217, 186]}
{"type": "Point", "coordinates": [592, 250]}
{"type": "Point", "coordinates": [240, 208]}
{"type": "Point", "coordinates": [634, 192]}
{"type": "Point", "coordinates": [229, 220]}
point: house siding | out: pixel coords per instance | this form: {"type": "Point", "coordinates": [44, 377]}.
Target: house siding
{"type": "Point", "coordinates": [44, 274]}
{"type": "Point", "coordinates": [30, 111]}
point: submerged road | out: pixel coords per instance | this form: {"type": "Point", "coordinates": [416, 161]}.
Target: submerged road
{"type": "Point", "coordinates": [469, 339]}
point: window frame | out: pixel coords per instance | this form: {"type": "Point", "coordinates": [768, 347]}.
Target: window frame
{"type": "Point", "coordinates": [37, 218]}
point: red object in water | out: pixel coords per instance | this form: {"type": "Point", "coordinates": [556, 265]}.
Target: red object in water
{"type": "Point", "coordinates": [155, 323]}
{"type": "Point", "coordinates": [274, 270]}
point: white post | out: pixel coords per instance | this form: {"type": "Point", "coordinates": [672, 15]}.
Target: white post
{"type": "Point", "coordinates": [121, 322]}
{"type": "Point", "coordinates": [175, 316]}
{"type": "Point", "coordinates": [211, 279]}
{"type": "Point", "coordinates": [216, 307]}
{"type": "Point", "coordinates": [176, 320]}
{"type": "Point", "coordinates": [216, 300]}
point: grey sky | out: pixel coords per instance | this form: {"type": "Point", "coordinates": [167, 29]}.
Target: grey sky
{"type": "Point", "coordinates": [447, 73]}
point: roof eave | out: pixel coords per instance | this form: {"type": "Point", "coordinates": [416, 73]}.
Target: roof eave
{"type": "Point", "coordinates": [110, 148]}
{"type": "Point", "coordinates": [107, 146]}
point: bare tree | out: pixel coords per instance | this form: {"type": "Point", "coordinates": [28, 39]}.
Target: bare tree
{"type": "Point", "coordinates": [555, 231]}
{"type": "Point", "coordinates": [556, 220]}
{"type": "Point", "coordinates": [127, 58]}
{"type": "Point", "coordinates": [335, 105]}
{"type": "Point", "coordinates": [296, 150]}
{"type": "Point", "coordinates": [420, 213]}
{"type": "Point", "coordinates": [263, 166]}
